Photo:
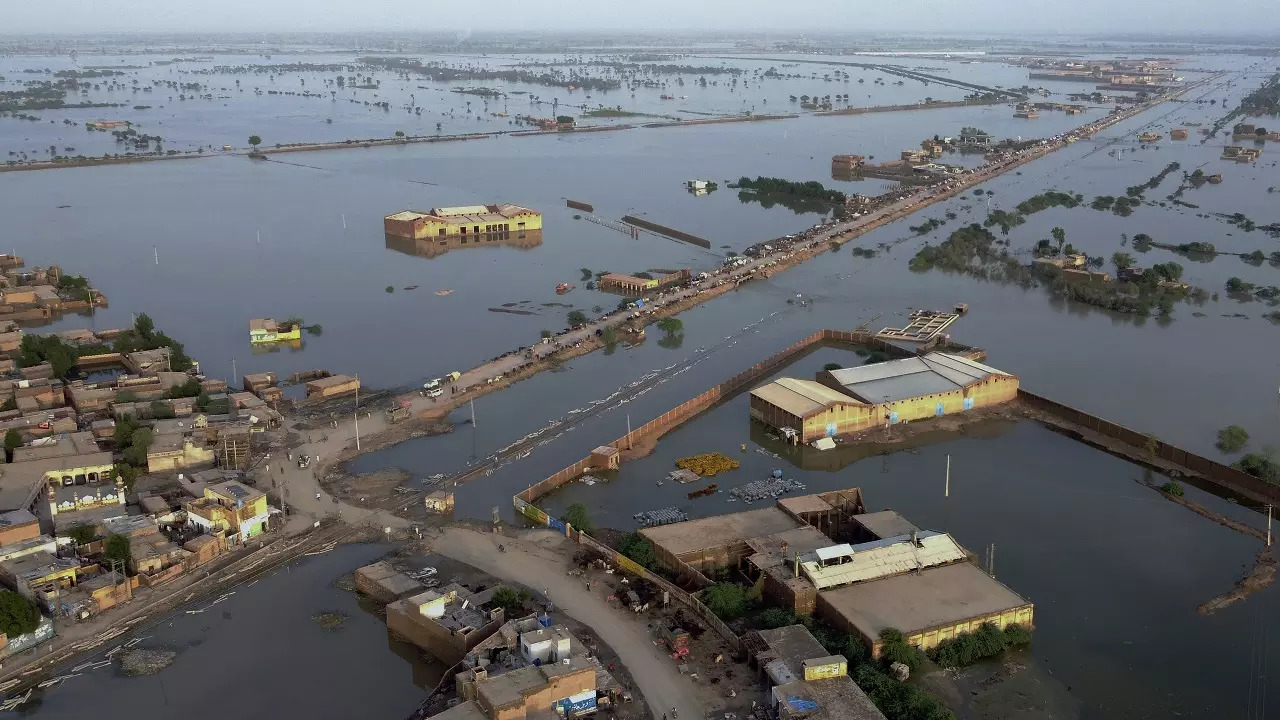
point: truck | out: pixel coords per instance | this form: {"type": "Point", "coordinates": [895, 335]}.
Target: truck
{"type": "Point", "coordinates": [400, 412]}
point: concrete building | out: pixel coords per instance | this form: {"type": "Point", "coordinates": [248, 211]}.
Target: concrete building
{"type": "Point", "coordinates": [332, 386]}
{"type": "Point", "coordinates": [68, 475]}
{"type": "Point", "coordinates": [860, 398]}
{"type": "Point", "coordinates": [265, 330]}
{"type": "Point", "coordinates": [525, 670]}
{"type": "Point", "coordinates": [930, 606]}
{"type": "Point", "coordinates": [469, 220]}
{"type": "Point", "coordinates": [636, 286]}
{"type": "Point", "coordinates": [823, 555]}
{"type": "Point", "coordinates": [384, 583]}
{"type": "Point", "coordinates": [173, 451]}
{"type": "Point", "coordinates": [805, 680]}
{"type": "Point", "coordinates": [446, 622]}
{"type": "Point", "coordinates": [39, 576]}
{"type": "Point", "coordinates": [231, 510]}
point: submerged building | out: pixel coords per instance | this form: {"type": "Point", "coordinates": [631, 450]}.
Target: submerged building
{"type": "Point", "coordinates": [466, 220]}
{"type": "Point", "coordinates": [854, 399]}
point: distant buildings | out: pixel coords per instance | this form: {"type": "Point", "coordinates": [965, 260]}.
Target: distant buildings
{"type": "Point", "coordinates": [332, 386]}
{"type": "Point", "coordinates": [856, 399]}
{"type": "Point", "coordinates": [469, 221]}
{"type": "Point", "coordinates": [266, 330]}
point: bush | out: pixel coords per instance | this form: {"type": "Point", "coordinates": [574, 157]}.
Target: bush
{"type": "Point", "coordinates": [727, 600]}
{"type": "Point", "coordinates": [987, 642]}
{"type": "Point", "coordinates": [670, 325]}
{"type": "Point", "coordinates": [577, 317]}
{"type": "Point", "coordinates": [898, 700]}
{"type": "Point", "coordinates": [576, 515]}
{"type": "Point", "coordinates": [832, 366]}
{"type": "Point", "coordinates": [1232, 439]}
{"type": "Point", "coordinates": [509, 600]}
{"type": "Point", "coordinates": [82, 534]}
{"type": "Point", "coordinates": [638, 548]}
{"type": "Point", "coordinates": [1173, 488]}
{"type": "Point", "coordinates": [895, 648]}
{"type": "Point", "coordinates": [18, 615]}
{"type": "Point", "coordinates": [774, 617]}
{"type": "Point", "coordinates": [1260, 466]}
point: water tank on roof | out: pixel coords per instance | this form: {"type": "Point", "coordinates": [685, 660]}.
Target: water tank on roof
{"type": "Point", "coordinates": [777, 473]}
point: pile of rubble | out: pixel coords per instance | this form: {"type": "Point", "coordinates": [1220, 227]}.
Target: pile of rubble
{"type": "Point", "coordinates": [665, 516]}
{"type": "Point", "coordinates": [765, 489]}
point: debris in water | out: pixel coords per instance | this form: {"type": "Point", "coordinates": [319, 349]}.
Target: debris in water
{"type": "Point", "coordinates": [665, 516]}
{"type": "Point", "coordinates": [346, 582]}
{"type": "Point", "coordinates": [330, 620]}
{"type": "Point", "coordinates": [146, 661]}
{"type": "Point", "coordinates": [764, 489]}
{"type": "Point", "coordinates": [442, 293]}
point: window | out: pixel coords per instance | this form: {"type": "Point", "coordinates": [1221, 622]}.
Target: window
{"type": "Point", "coordinates": [441, 232]}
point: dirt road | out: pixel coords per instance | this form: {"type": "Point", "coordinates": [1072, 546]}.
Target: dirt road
{"type": "Point", "coordinates": [534, 560]}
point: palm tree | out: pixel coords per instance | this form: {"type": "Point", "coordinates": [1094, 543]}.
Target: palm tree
{"type": "Point", "coordinates": [255, 141]}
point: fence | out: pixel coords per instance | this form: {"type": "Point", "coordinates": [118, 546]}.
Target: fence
{"type": "Point", "coordinates": [1212, 471]}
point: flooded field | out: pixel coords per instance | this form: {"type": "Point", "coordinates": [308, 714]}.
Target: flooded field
{"type": "Point", "coordinates": [264, 646]}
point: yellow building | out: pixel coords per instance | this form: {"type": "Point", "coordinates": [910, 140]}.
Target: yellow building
{"type": "Point", "coordinates": [264, 330]}
{"type": "Point", "coordinates": [855, 399]}
{"type": "Point", "coordinates": [467, 220]}
{"type": "Point", "coordinates": [230, 508]}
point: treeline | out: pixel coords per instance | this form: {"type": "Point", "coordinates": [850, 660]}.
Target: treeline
{"type": "Point", "coordinates": [1136, 191]}
{"type": "Point", "coordinates": [811, 190]}
{"type": "Point", "coordinates": [445, 73]}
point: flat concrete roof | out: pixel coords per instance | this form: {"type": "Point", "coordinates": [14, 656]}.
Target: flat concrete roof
{"type": "Point", "coordinates": [719, 531]}
{"type": "Point", "coordinates": [804, 504]}
{"type": "Point", "coordinates": [885, 524]}
{"type": "Point", "coordinates": [837, 698]}
{"type": "Point", "coordinates": [799, 540]}
{"type": "Point", "coordinates": [793, 645]}
{"type": "Point", "coordinates": [936, 597]}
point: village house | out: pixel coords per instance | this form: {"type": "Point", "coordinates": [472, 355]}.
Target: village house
{"type": "Point", "coordinates": [230, 509]}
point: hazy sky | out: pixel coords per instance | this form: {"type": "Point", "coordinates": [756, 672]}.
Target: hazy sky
{"type": "Point", "coordinates": [1003, 16]}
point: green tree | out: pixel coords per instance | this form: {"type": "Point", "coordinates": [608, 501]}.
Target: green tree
{"type": "Point", "coordinates": [117, 548]}
{"type": "Point", "coordinates": [255, 141]}
{"type": "Point", "coordinates": [509, 600]}
{"type": "Point", "coordinates": [36, 349]}
{"type": "Point", "coordinates": [128, 474]}
{"type": "Point", "coordinates": [895, 648]}
{"type": "Point", "coordinates": [670, 325]}
{"type": "Point", "coordinates": [1122, 260]}
{"type": "Point", "coordinates": [576, 515]}
{"type": "Point", "coordinates": [638, 548]}
{"type": "Point", "coordinates": [576, 318]}
{"type": "Point", "coordinates": [1231, 439]}
{"type": "Point", "coordinates": [12, 441]}
{"type": "Point", "coordinates": [832, 366]}
{"type": "Point", "coordinates": [727, 600]}
{"type": "Point", "coordinates": [18, 615]}
{"type": "Point", "coordinates": [1059, 236]}
{"type": "Point", "coordinates": [399, 133]}
{"type": "Point", "coordinates": [774, 617]}
{"type": "Point", "coordinates": [82, 534]}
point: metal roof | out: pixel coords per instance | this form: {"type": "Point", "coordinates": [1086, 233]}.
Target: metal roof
{"type": "Point", "coordinates": [896, 380]}
{"type": "Point", "coordinates": [880, 558]}
{"type": "Point", "coordinates": [800, 397]}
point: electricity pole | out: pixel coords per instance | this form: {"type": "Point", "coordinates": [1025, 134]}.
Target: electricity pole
{"type": "Point", "coordinates": [946, 492]}
{"type": "Point", "coordinates": [357, 416]}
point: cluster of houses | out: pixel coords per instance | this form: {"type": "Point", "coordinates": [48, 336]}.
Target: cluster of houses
{"type": "Point", "coordinates": [63, 492]}
{"type": "Point", "coordinates": [38, 294]}
{"type": "Point", "coordinates": [1241, 154]}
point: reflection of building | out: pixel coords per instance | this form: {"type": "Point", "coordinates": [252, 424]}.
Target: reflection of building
{"type": "Point", "coordinates": [470, 220]}
{"type": "Point", "coordinates": [855, 399]}
{"type": "Point", "coordinates": [824, 555]}
{"type": "Point", "coordinates": [436, 246]}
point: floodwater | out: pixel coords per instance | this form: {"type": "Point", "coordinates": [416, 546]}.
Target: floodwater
{"type": "Point", "coordinates": [1115, 570]}
{"type": "Point", "coordinates": [1115, 578]}
{"type": "Point", "coordinates": [261, 651]}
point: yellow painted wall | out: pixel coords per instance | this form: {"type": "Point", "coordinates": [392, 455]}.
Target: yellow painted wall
{"type": "Point", "coordinates": [929, 638]}
{"type": "Point", "coordinates": [430, 228]}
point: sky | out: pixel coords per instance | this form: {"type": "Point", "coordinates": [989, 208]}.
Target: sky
{"type": "Point", "coordinates": [838, 16]}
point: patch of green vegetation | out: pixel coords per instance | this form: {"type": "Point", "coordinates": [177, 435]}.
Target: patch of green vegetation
{"type": "Point", "coordinates": [727, 600]}
{"type": "Point", "coordinates": [1050, 199]}
{"type": "Point", "coordinates": [974, 251]}
{"type": "Point", "coordinates": [863, 252]}
{"type": "Point", "coordinates": [37, 349]}
{"type": "Point", "coordinates": [988, 641]}
{"type": "Point", "coordinates": [1136, 191]}
{"type": "Point", "coordinates": [144, 336]}
{"type": "Point", "coordinates": [18, 615]}
{"type": "Point", "coordinates": [927, 226]}
{"type": "Point", "coordinates": [577, 516]}
{"type": "Point", "coordinates": [639, 549]}
{"type": "Point", "coordinates": [1261, 465]}
{"type": "Point", "coordinates": [1232, 439]}
{"type": "Point", "coordinates": [613, 112]}
{"type": "Point", "coordinates": [1173, 488]}
{"type": "Point", "coordinates": [799, 197]}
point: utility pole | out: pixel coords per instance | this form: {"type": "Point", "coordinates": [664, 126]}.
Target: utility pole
{"type": "Point", "coordinates": [946, 492]}
{"type": "Point", "coordinates": [473, 413]}
{"type": "Point", "coordinates": [629, 432]}
{"type": "Point", "coordinates": [235, 377]}
{"type": "Point", "coordinates": [357, 417]}
{"type": "Point", "coordinates": [1268, 525]}
{"type": "Point", "coordinates": [156, 250]}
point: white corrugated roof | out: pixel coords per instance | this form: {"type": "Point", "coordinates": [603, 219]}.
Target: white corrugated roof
{"type": "Point", "coordinates": [800, 397]}
{"type": "Point", "coordinates": [912, 377]}
{"type": "Point", "coordinates": [881, 558]}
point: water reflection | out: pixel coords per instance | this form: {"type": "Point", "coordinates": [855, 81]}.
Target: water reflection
{"type": "Point", "coordinates": [804, 457]}
{"type": "Point", "coordinates": [264, 348]}
{"type": "Point", "coordinates": [435, 247]}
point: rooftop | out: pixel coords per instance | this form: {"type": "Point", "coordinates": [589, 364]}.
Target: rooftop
{"type": "Point", "coordinates": [77, 443]}
{"type": "Point", "coordinates": [468, 710]}
{"type": "Point", "coordinates": [913, 602]}
{"type": "Point", "coordinates": [37, 565]}
{"type": "Point", "coordinates": [792, 645]}
{"type": "Point", "coordinates": [837, 698]}
{"type": "Point", "coordinates": [895, 380]}
{"type": "Point", "coordinates": [331, 381]}
{"type": "Point", "coordinates": [510, 688]}
{"type": "Point", "coordinates": [16, 517]}
{"type": "Point", "coordinates": [844, 564]}
{"type": "Point", "coordinates": [885, 524]}
{"type": "Point", "coordinates": [719, 531]}
{"type": "Point", "coordinates": [465, 213]}
{"type": "Point", "coordinates": [801, 398]}
{"type": "Point", "coordinates": [237, 492]}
